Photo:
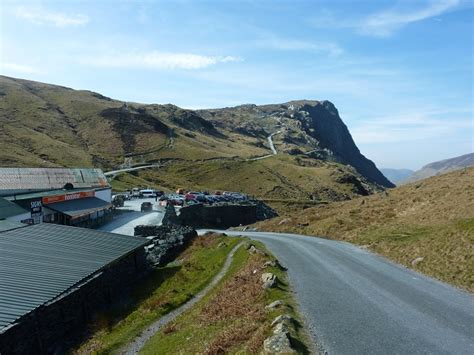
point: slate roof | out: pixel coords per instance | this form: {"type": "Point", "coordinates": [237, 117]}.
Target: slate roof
{"type": "Point", "coordinates": [79, 207]}
{"type": "Point", "coordinates": [9, 209]}
{"type": "Point", "coordinates": [40, 262]}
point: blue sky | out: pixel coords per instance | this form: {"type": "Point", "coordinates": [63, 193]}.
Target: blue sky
{"type": "Point", "coordinates": [400, 72]}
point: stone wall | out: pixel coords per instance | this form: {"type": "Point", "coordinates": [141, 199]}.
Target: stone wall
{"type": "Point", "coordinates": [225, 215]}
{"type": "Point", "coordinates": [168, 241]}
{"type": "Point", "coordinates": [56, 327]}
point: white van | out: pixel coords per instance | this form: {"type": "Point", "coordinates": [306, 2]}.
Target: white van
{"type": "Point", "coordinates": [148, 193]}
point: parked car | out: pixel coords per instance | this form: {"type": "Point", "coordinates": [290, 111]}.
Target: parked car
{"type": "Point", "coordinates": [176, 201]}
{"type": "Point", "coordinates": [189, 196]}
{"type": "Point", "coordinates": [135, 193]}
{"type": "Point", "coordinates": [146, 207]}
{"type": "Point", "coordinates": [118, 200]}
{"type": "Point", "coordinates": [147, 193]}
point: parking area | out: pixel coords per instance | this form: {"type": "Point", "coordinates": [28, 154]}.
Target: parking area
{"type": "Point", "coordinates": [130, 215]}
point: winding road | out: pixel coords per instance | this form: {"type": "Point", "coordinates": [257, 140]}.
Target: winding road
{"type": "Point", "coordinates": [114, 172]}
{"type": "Point", "coordinates": [355, 302]}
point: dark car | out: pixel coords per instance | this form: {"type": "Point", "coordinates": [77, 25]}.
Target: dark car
{"type": "Point", "coordinates": [146, 207]}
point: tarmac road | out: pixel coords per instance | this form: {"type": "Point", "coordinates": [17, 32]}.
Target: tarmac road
{"type": "Point", "coordinates": [356, 302]}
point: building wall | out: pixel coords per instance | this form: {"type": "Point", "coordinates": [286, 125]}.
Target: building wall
{"type": "Point", "coordinates": [105, 194]}
{"type": "Point", "coordinates": [60, 325]}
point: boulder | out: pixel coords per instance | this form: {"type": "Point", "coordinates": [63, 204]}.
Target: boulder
{"type": "Point", "coordinates": [278, 344]}
{"type": "Point", "coordinates": [274, 263]}
{"type": "Point", "coordinates": [269, 280]}
{"type": "Point", "coordinates": [417, 260]}
{"type": "Point", "coordinates": [281, 328]}
{"type": "Point", "coordinates": [274, 305]}
{"type": "Point", "coordinates": [284, 221]}
{"type": "Point", "coordinates": [253, 250]}
{"type": "Point", "coordinates": [284, 318]}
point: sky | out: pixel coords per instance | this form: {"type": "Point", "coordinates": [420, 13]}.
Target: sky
{"type": "Point", "coordinates": [399, 72]}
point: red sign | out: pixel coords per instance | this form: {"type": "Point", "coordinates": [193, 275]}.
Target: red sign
{"type": "Point", "coordinates": [67, 197]}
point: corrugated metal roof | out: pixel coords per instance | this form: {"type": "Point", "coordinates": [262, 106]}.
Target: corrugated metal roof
{"type": "Point", "coordinates": [8, 225]}
{"type": "Point", "coordinates": [79, 207]}
{"type": "Point", "coordinates": [40, 262]}
{"type": "Point", "coordinates": [15, 180]}
{"type": "Point", "coordinates": [9, 209]}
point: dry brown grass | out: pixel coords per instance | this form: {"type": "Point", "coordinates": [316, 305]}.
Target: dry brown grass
{"type": "Point", "coordinates": [231, 305]}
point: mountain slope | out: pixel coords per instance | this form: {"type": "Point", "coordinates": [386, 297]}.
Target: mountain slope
{"type": "Point", "coordinates": [396, 175]}
{"type": "Point", "coordinates": [47, 125]}
{"type": "Point", "coordinates": [442, 167]}
{"type": "Point", "coordinates": [427, 225]}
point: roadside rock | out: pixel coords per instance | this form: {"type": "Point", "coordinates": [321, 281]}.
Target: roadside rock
{"type": "Point", "coordinates": [284, 318]}
{"type": "Point", "coordinates": [274, 263]}
{"type": "Point", "coordinates": [274, 305]}
{"type": "Point", "coordinates": [417, 261]}
{"type": "Point", "coordinates": [253, 250]}
{"type": "Point", "coordinates": [278, 344]}
{"type": "Point", "coordinates": [284, 221]}
{"type": "Point", "coordinates": [281, 328]}
{"type": "Point", "coordinates": [269, 280]}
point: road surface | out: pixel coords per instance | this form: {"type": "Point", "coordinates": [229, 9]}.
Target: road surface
{"type": "Point", "coordinates": [356, 302]}
{"type": "Point", "coordinates": [131, 216]}
{"type": "Point", "coordinates": [114, 172]}
{"type": "Point", "coordinates": [270, 142]}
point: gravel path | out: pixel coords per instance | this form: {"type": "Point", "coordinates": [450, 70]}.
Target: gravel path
{"type": "Point", "coordinates": [138, 343]}
{"type": "Point", "coordinates": [356, 302]}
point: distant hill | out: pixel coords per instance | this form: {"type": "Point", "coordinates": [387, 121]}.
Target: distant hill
{"type": "Point", "coordinates": [427, 225]}
{"type": "Point", "coordinates": [442, 167]}
{"type": "Point", "coordinates": [45, 125]}
{"type": "Point", "coordinates": [396, 175]}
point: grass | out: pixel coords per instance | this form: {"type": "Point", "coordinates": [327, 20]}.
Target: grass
{"type": "Point", "coordinates": [164, 290]}
{"type": "Point", "coordinates": [232, 318]}
{"type": "Point", "coordinates": [277, 178]}
{"type": "Point", "coordinates": [126, 181]}
{"type": "Point", "coordinates": [432, 219]}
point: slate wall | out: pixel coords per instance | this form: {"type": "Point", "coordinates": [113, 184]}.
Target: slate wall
{"type": "Point", "coordinates": [54, 327]}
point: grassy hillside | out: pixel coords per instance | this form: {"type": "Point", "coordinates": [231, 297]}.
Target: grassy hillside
{"type": "Point", "coordinates": [279, 177]}
{"type": "Point", "coordinates": [50, 126]}
{"type": "Point", "coordinates": [432, 219]}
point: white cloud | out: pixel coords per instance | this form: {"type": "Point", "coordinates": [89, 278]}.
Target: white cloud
{"type": "Point", "coordinates": [268, 40]}
{"type": "Point", "coordinates": [17, 68]}
{"type": "Point", "coordinates": [159, 60]}
{"type": "Point", "coordinates": [41, 16]}
{"type": "Point", "coordinates": [386, 22]}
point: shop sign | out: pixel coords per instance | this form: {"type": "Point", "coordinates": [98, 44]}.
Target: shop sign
{"type": "Point", "coordinates": [36, 208]}
{"type": "Point", "coordinates": [68, 197]}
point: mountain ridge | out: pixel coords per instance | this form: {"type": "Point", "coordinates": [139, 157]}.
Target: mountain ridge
{"type": "Point", "coordinates": [442, 167]}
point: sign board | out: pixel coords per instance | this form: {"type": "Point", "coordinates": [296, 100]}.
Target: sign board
{"type": "Point", "coordinates": [67, 197]}
{"type": "Point", "coordinates": [36, 208]}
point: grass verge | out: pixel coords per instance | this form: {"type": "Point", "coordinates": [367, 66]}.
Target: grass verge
{"type": "Point", "coordinates": [232, 318]}
{"type": "Point", "coordinates": [162, 291]}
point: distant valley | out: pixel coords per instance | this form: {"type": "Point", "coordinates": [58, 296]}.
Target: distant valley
{"type": "Point", "coordinates": [396, 176]}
